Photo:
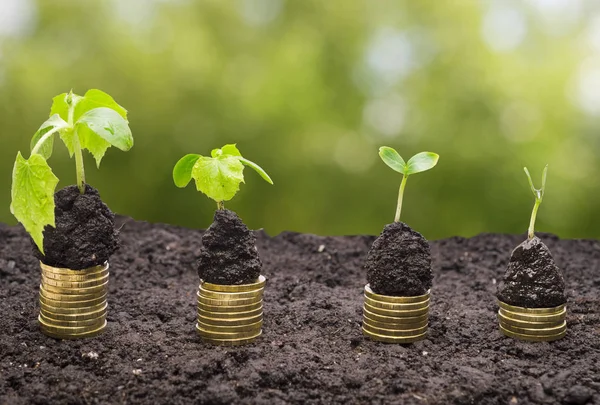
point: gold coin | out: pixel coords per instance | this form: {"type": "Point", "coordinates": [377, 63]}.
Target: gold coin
{"type": "Point", "coordinates": [392, 339]}
{"type": "Point", "coordinates": [532, 311]}
{"type": "Point", "coordinates": [72, 304]}
{"type": "Point", "coordinates": [394, 320]}
{"type": "Point", "coordinates": [526, 324]}
{"type": "Point", "coordinates": [75, 277]}
{"type": "Point", "coordinates": [70, 297]}
{"type": "Point", "coordinates": [68, 336]}
{"type": "Point", "coordinates": [70, 272]}
{"type": "Point", "coordinates": [75, 317]}
{"type": "Point", "coordinates": [225, 335]}
{"type": "Point", "coordinates": [218, 321]}
{"type": "Point", "coordinates": [228, 302]}
{"type": "Point", "coordinates": [395, 313]}
{"type": "Point", "coordinates": [396, 306]}
{"type": "Point", "coordinates": [70, 311]}
{"type": "Point", "coordinates": [76, 291]}
{"type": "Point", "coordinates": [232, 342]}
{"type": "Point", "coordinates": [255, 294]}
{"type": "Point", "coordinates": [230, 315]}
{"type": "Point", "coordinates": [260, 283]}
{"type": "Point", "coordinates": [68, 330]}
{"type": "Point", "coordinates": [231, 329]}
{"type": "Point", "coordinates": [74, 284]}
{"type": "Point", "coordinates": [398, 326]}
{"type": "Point", "coordinates": [536, 332]}
{"type": "Point", "coordinates": [230, 308]}
{"type": "Point", "coordinates": [559, 317]}
{"type": "Point", "coordinates": [60, 323]}
{"type": "Point", "coordinates": [393, 299]}
{"type": "Point", "coordinates": [395, 332]}
{"type": "Point", "coordinates": [532, 338]}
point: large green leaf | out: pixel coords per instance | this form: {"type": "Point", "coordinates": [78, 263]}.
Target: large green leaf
{"type": "Point", "coordinates": [33, 185]}
{"type": "Point", "coordinates": [182, 172]}
{"type": "Point", "coordinates": [95, 98]}
{"type": "Point", "coordinates": [219, 178]}
{"type": "Point", "coordinates": [421, 162]}
{"type": "Point", "coordinates": [392, 158]}
{"type": "Point", "coordinates": [55, 123]}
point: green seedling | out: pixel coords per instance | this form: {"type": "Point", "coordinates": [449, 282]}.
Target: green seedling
{"type": "Point", "coordinates": [539, 195]}
{"type": "Point", "coordinates": [218, 176]}
{"type": "Point", "coordinates": [418, 163]}
{"type": "Point", "coordinates": [93, 122]}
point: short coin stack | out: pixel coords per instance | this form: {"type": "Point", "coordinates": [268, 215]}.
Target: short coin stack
{"type": "Point", "coordinates": [230, 314]}
{"type": "Point", "coordinates": [73, 302]}
{"type": "Point", "coordinates": [395, 319]}
{"type": "Point", "coordinates": [533, 324]}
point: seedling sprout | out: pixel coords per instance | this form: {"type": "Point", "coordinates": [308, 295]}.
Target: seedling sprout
{"type": "Point", "coordinates": [94, 122]}
{"type": "Point", "coordinates": [539, 195]}
{"type": "Point", "coordinates": [218, 176]}
{"type": "Point", "coordinates": [418, 163]}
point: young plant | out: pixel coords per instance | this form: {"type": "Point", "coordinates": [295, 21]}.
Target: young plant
{"type": "Point", "coordinates": [93, 122]}
{"type": "Point", "coordinates": [539, 195]}
{"type": "Point", "coordinates": [418, 163]}
{"type": "Point", "coordinates": [218, 176]}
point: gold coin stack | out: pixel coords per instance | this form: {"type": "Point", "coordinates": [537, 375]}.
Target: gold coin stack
{"type": "Point", "coordinates": [230, 315]}
{"type": "Point", "coordinates": [73, 302]}
{"type": "Point", "coordinates": [395, 319]}
{"type": "Point", "coordinates": [533, 324]}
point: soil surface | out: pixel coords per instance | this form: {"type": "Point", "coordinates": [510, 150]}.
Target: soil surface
{"type": "Point", "coordinates": [399, 262]}
{"type": "Point", "coordinates": [229, 255]}
{"type": "Point", "coordinates": [84, 235]}
{"type": "Point", "coordinates": [532, 278]}
{"type": "Point", "coordinates": [312, 350]}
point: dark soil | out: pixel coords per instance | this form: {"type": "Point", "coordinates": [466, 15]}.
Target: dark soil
{"type": "Point", "coordinates": [399, 262]}
{"type": "Point", "coordinates": [532, 278]}
{"type": "Point", "coordinates": [312, 350]}
{"type": "Point", "coordinates": [229, 254]}
{"type": "Point", "coordinates": [85, 234]}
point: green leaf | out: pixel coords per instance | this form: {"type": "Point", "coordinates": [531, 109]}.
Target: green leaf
{"type": "Point", "coordinates": [33, 185]}
{"type": "Point", "coordinates": [257, 168]}
{"type": "Point", "coordinates": [231, 149]}
{"type": "Point", "coordinates": [421, 162]}
{"type": "Point", "coordinates": [544, 175]}
{"type": "Point", "coordinates": [95, 98]}
{"type": "Point", "coordinates": [182, 172]}
{"type": "Point", "coordinates": [392, 158]}
{"type": "Point", "coordinates": [54, 123]}
{"type": "Point", "coordinates": [538, 194]}
{"type": "Point", "coordinates": [219, 178]}
{"type": "Point", "coordinates": [60, 106]}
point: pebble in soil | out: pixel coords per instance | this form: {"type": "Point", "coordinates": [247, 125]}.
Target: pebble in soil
{"type": "Point", "coordinates": [84, 235]}
{"type": "Point", "coordinates": [399, 262]}
{"type": "Point", "coordinates": [532, 279]}
{"type": "Point", "coordinates": [229, 255]}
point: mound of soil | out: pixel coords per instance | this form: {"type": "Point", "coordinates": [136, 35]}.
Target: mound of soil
{"type": "Point", "coordinates": [229, 254]}
{"type": "Point", "coordinates": [532, 278]}
{"type": "Point", "coordinates": [312, 350]}
{"type": "Point", "coordinates": [399, 262]}
{"type": "Point", "coordinates": [84, 235]}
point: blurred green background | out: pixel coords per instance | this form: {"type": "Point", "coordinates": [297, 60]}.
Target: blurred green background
{"type": "Point", "coordinates": [310, 89]}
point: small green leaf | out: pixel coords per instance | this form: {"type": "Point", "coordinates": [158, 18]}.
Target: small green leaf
{"type": "Point", "coordinates": [231, 149]}
{"type": "Point", "coordinates": [219, 178]}
{"type": "Point", "coordinates": [60, 106]}
{"type": "Point", "coordinates": [538, 194]}
{"type": "Point", "coordinates": [95, 98]}
{"type": "Point", "coordinates": [421, 162]}
{"type": "Point", "coordinates": [182, 172]}
{"type": "Point", "coordinates": [54, 123]}
{"type": "Point", "coordinates": [544, 175]}
{"type": "Point", "coordinates": [392, 158]}
{"type": "Point", "coordinates": [33, 185]}
{"type": "Point", "coordinates": [257, 168]}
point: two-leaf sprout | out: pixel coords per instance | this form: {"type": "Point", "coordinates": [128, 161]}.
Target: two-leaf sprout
{"type": "Point", "coordinates": [418, 163]}
{"type": "Point", "coordinates": [539, 195]}
{"type": "Point", "coordinates": [218, 176]}
{"type": "Point", "coordinates": [94, 122]}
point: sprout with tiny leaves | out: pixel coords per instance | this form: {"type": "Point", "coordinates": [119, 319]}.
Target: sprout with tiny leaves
{"type": "Point", "coordinates": [418, 163]}
{"type": "Point", "coordinates": [94, 122]}
{"type": "Point", "coordinates": [218, 176]}
{"type": "Point", "coordinates": [539, 195]}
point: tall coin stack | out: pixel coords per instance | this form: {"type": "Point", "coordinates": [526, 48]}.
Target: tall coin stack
{"type": "Point", "coordinates": [230, 314]}
{"type": "Point", "coordinates": [533, 324]}
{"type": "Point", "coordinates": [395, 319]}
{"type": "Point", "coordinates": [73, 302]}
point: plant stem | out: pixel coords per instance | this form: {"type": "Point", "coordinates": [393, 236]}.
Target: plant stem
{"type": "Point", "coordinates": [220, 205]}
{"type": "Point", "coordinates": [43, 139]}
{"type": "Point", "coordinates": [79, 163]}
{"type": "Point", "coordinates": [400, 196]}
{"type": "Point", "coordinates": [530, 233]}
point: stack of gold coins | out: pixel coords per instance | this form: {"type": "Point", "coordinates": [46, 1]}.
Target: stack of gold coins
{"type": "Point", "coordinates": [533, 324]}
{"type": "Point", "coordinates": [230, 314]}
{"type": "Point", "coordinates": [73, 302]}
{"type": "Point", "coordinates": [395, 319]}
